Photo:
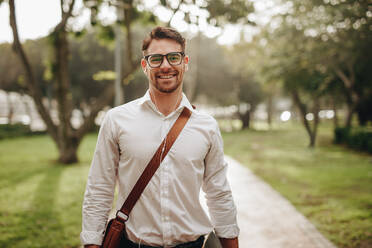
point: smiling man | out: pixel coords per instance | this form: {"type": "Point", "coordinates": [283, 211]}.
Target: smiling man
{"type": "Point", "coordinates": [168, 213]}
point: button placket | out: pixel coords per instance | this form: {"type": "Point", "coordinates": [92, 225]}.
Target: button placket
{"type": "Point", "coordinates": [165, 168]}
{"type": "Point", "coordinates": [163, 184]}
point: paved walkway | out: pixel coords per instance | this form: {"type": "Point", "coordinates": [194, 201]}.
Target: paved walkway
{"type": "Point", "coordinates": [266, 219]}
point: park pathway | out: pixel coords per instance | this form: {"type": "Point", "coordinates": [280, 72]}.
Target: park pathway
{"type": "Point", "coordinates": [266, 219]}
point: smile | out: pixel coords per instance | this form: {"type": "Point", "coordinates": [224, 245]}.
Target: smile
{"type": "Point", "coordinates": [166, 76]}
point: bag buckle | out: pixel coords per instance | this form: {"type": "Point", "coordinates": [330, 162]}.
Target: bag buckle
{"type": "Point", "coordinates": [122, 216]}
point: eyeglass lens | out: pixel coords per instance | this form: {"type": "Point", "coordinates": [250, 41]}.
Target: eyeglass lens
{"type": "Point", "coordinates": [157, 59]}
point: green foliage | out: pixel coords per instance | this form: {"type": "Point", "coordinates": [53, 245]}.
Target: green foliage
{"type": "Point", "coordinates": [250, 91]}
{"type": "Point", "coordinates": [16, 130]}
{"type": "Point", "coordinates": [13, 130]}
{"type": "Point", "coordinates": [356, 138]}
{"type": "Point", "coordinates": [327, 39]}
{"type": "Point", "coordinates": [148, 18]}
{"type": "Point", "coordinates": [341, 135]}
{"type": "Point", "coordinates": [80, 33]}
{"type": "Point", "coordinates": [106, 33]}
{"type": "Point", "coordinates": [330, 185]}
{"type": "Point", "coordinates": [234, 11]}
{"type": "Point", "coordinates": [104, 75]}
{"type": "Point", "coordinates": [12, 77]}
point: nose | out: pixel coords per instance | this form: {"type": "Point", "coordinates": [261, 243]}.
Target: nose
{"type": "Point", "coordinates": [165, 63]}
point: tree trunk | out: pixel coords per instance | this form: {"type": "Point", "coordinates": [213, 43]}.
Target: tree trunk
{"type": "Point", "coordinates": [31, 81]}
{"type": "Point", "coordinates": [246, 119]}
{"type": "Point", "coordinates": [352, 95]}
{"type": "Point", "coordinates": [63, 93]}
{"type": "Point", "coordinates": [193, 75]}
{"type": "Point", "coordinates": [68, 150]}
{"type": "Point", "coordinates": [303, 112]}
{"type": "Point", "coordinates": [316, 122]}
{"type": "Point", "coordinates": [270, 110]}
{"type": "Point", "coordinates": [349, 115]}
{"type": "Point", "coordinates": [335, 112]}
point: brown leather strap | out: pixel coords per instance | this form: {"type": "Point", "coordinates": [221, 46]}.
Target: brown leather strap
{"type": "Point", "coordinates": [154, 163]}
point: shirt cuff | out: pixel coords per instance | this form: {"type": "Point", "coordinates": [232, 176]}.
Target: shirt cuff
{"type": "Point", "coordinates": [228, 231]}
{"type": "Point", "coordinates": [91, 238]}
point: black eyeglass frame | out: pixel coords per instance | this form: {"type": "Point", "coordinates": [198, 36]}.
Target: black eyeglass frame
{"type": "Point", "coordinates": [166, 56]}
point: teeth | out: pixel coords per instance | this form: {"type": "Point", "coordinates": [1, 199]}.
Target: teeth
{"type": "Point", "coordinates": [166, 77]}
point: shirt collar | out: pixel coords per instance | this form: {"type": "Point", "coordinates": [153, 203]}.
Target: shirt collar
{"type": "Point", "coordinates": [184, 102]}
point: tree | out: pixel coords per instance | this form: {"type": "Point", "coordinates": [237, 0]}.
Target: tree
{"type": "Point", "coordinates": [248, 61]}
{"type": "Point", "coordinates": [319, 49]}
{"type": "Point", "coordinates": [64, 135]}
{"type": "Point", "coordinates": [250, 93]}
{"type": "Point", "coordinates": [342, 32]}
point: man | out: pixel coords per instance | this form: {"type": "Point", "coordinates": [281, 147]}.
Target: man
{"type": "Point", "coordinates": [168, 213]}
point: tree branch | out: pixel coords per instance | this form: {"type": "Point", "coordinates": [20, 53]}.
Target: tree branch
{"type": "Point", "coordinates": [174, 13]}
{"type": "Point", "coordinates": [105, 98]}
{"type": "Point", "coordinates": [128, 22]}
{"type": "Point", "coordinates": [349, 85]}
{"type": "Point", "coordinates": [344, 78]}
{"type": "Point", "coordinates": [65, 15]}
{"type": "Point", "coordinates": [303, 110]}
{"type": "Point", "coordinates": [31, 82]}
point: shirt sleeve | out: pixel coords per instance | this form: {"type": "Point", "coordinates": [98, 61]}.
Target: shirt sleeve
{"type": "Point", "coordinates": [100, 188]}
{"type": "Point", "coordinates": [222, 209]}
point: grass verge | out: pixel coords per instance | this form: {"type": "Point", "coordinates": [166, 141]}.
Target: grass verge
{"type": "Point", "coordinates": [330, 185]}
{"type": "Point", "coordinates": [40, 200]}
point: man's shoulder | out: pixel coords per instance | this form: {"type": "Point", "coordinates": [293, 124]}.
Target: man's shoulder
{"type": "Point", "coordinates": [129, 106]}
{"type": "Point", "coordinates": [204, 118]}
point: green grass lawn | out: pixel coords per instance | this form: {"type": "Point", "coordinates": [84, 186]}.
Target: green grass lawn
{"type": "Point", "coordinates": [330, 185]}
{"type": "Point", "coordinates": [40, 200]}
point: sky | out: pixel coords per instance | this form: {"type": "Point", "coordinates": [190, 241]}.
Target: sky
{"type": "Point", "coordinates": [36, 18]}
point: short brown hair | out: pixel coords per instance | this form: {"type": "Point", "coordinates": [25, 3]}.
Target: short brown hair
{"type": "Point", "coordinates": [163, 33]}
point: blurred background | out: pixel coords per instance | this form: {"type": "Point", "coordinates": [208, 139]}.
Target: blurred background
{"type": "Point", "coordinates": [289, 82]}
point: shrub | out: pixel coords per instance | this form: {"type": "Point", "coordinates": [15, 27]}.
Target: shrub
{"type": "Point", "coordinates": [15, 130]}
{"type": "Point", "coordinates": [358, 139]}
{"type": "Point", "coordinates": [341, 135]}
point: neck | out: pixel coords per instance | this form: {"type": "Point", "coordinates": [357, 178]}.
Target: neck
{"type": "Point", "coordinates": [166, 103]}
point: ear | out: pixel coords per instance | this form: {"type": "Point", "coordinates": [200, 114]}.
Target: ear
{"type": "Point", "coordinates": [186, 62]}
{"type": "Point", "coordinates": [144, 65]}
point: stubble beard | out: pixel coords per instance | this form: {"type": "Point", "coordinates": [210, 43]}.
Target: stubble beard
{"type": "Point", "coordinates": [162, 89]}
{"type": "Point", "coordinates": [165, 89]}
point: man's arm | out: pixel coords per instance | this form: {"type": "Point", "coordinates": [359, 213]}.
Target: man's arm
{"type": "Point", "coordinates": [218, 193]}
{"type": "Point", "coordinates": [99, 193]}
{"type": "Point", "coordinates": [229, 243]}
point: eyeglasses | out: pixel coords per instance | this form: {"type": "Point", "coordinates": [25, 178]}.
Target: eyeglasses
{"type": "Point", "coordinates": [173, 58]}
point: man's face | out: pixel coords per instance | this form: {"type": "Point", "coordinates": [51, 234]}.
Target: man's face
{"type": "Point", "coordinates": [166, 78]}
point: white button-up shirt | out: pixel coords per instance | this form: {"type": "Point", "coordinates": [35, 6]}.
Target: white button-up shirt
{"type": "Point", "coordinates": [169, 211]}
